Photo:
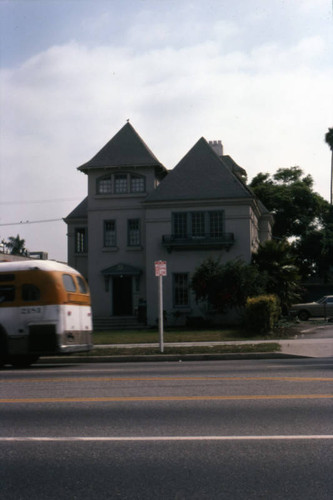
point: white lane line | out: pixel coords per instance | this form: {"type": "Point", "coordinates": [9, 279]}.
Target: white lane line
{"type": "Point", "coordinates": [163, 438]}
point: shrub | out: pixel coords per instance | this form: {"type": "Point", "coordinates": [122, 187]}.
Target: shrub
{"type": "Point", "coordinates": [261, 313]}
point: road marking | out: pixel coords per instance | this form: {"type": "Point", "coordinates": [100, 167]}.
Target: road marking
{"type": "Point", "coordinates": [166, 379]}
{"type": "Point", "coordinates": [164, 398]}
{"type": "Point", "coordinates": [163, 438]}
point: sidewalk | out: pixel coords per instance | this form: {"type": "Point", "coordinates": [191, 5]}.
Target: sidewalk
{"type": "Point", "coordinates": [311, 340]}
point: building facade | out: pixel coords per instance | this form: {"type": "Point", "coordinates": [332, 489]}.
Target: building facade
{"type": "Point", "coordinates": [137, 212]}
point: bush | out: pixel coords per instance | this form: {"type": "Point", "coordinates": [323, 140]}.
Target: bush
{"type": "Point", "coordinates": [261, 313]}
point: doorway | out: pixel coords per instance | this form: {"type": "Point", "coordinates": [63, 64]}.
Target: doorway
{"type": "Point", "coordinates": [122, 296]}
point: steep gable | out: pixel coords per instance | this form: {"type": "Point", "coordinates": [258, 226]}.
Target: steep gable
{"type": "Point", "coordinates": [125, 149]}
{"type": "Point", "coordinates": [79, 212]}
{"type": "Point", "coordinates": [200, 175]}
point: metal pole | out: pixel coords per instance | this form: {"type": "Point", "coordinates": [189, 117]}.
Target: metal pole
{"type": "Point", "coordinates": [160, 322]}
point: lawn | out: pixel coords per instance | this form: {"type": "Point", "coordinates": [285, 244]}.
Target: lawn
{"type": "Point", "coordinates": [152, 336]}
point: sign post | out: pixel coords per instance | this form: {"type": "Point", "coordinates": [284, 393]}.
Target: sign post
{"type": "Point", "coordinates": [160, 271]}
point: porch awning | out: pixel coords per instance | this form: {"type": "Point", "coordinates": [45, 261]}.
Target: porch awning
{"type": "Point", "coordinates": [121, 270]}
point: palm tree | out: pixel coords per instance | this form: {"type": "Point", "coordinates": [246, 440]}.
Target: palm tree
{"type": "Point", "coordinates": [16, 245]}
{"type": "Point", "coordinates": [329, 141]}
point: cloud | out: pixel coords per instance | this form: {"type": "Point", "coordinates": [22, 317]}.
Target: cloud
{"type": "Point", "coordinates": [270, 105]}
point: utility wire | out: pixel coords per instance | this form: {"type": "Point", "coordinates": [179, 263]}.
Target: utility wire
{"type": "Point", "coordinates": [29, 222]}
{"type": "Point", "coordinates": [31, 202]}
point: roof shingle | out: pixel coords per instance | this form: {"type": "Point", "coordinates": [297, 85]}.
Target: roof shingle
{"type": "Point", "coordinates": [125, 149]}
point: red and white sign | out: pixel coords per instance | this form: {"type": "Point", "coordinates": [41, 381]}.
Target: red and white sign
{"type": "Point", "coordinates": [160, 268]}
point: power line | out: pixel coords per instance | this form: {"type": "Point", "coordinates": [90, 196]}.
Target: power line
{"type": "Point", "coordinates": [31, 202]}
{"type": "Point", "coordinates": [29, 222]}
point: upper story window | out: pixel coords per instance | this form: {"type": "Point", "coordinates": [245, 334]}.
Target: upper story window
{"type": "Point", "coordinates": [134, 239]}
{"type": "Point", "coordinates": [137, 183]}
{"type": "Point", "coordinates": [198, 224]}
{"type": "Point", "coordinates": [81, 240]}
{"type": "Point", "coordinates": [110, 233]}
{"type": "Point", "coordinates": [121, 183]}
{"type": "Point", "coordinates": [104, 185]}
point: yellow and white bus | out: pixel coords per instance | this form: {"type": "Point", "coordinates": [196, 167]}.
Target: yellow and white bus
{"type": "Point", "coordinates": [44, 310]}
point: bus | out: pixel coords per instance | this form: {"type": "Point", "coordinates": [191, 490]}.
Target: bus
{"type": "Point", "coordinates": [45, 310]}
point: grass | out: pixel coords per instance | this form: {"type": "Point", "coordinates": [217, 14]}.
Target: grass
{"type": "Point", "coordinates": [221, 349]}
{"type": "Point", "coordinates": [151, 336]}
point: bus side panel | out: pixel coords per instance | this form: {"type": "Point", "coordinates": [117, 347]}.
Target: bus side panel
{"type": "Point", "coordinates": [76, 327]}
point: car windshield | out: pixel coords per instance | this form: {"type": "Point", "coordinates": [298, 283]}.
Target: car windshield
{"type": "Point", "coordinates": [323, 299]}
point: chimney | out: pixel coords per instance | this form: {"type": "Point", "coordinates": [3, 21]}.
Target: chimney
{"type": "Point", "coordinates": [217, 147]}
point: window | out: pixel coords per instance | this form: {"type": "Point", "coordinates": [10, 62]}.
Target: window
{"type": "Point", "coordinates": [82, 285]}
{"type": "Point", "coordinates": [198, 224]}
{"type": "Point", "coordinates": [7, 293]}
{"type": "Point", "coordinates": [81, 240]}
{"type": "Point", "coordinates": [104, 185]}
{"type": "Point", "coordinates": [180, 290]}
{"type": "Point", "coordinates": [69, 283]}
{"type": "Point", "coordinates": [133, 232]}
{"type": "Point", "coordinates": [216, 224]}
{"type": "Point", "coordinates": [137, 184]}
{"type": "Point", "coordinates": [30, 292]}
{"type": "Point", "coordinates": [120, 183]}
{"type": "Point", "coordinates": [180, 224]}
{"type": "Point", "coordinates": [109, 233]}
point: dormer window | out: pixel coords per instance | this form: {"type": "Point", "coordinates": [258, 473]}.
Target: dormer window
{"type": "Point", "coordinates": [104, 185]}
{"type": "Point", "coordinates": [121, 184]}
{"type": "Point", "coordinates": [137, 183]}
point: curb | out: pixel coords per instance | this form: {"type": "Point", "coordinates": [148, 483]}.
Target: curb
{"type": "Point", "coordinates": [164, 358]}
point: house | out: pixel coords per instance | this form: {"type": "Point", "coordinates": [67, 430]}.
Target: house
{"type": "Point", "coordinates": [138, 212]}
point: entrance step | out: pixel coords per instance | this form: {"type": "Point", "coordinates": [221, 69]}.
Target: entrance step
{"type": "Point", "coordinates": [117, 323]}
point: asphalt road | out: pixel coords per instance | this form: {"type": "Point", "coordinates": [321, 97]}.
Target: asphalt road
{"type": "Point", "coordinates": [208, 430]}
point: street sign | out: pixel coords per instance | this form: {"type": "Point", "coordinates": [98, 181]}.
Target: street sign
{"type": "Point", "coordinates": [160, 268]}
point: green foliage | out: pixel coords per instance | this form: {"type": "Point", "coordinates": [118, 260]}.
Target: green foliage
{"type": "Point", "coordinates": [15, 245]}
{"type": "Point", "coordinates": [225, 286]}
{"type": "Point", "coordinates": [277, 261]}
{"type": "Point", "coordinates": [329, 138]}
{"type": "Point", "coordinates": [289, 195]}
{"type": "Point", "coordinates": [301, 215]}
{"type": "Point", "coordinates": [261, 314]}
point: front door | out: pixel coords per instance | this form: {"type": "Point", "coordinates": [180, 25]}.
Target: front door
{"type": "Point", "coordinates": [122, 296]}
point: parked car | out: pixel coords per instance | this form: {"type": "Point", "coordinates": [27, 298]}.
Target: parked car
{"type": "Point", "coordinates": [321, 308]}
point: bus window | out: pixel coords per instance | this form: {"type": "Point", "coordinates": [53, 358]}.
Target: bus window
{"type": "Point", "coordinates": [7, 277]}
{"type": "Point", "coordinates": [82, 285]}
{"type": "Point", "coordinates": [30, 292]}
{"type": "Point", "coordinates": [7, 293]}
{"type": "Point", "coordinates": [69, 283]}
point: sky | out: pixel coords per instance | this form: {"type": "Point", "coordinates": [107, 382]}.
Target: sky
{"type": "Point", "coordinates": [255, 74]}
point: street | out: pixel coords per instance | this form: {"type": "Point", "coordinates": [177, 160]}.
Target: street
{"type": "Point", "coordinates": [202, 430]}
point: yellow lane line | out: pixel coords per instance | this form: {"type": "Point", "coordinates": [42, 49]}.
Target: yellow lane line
{"type": "Point", "coordinates": [164, 398]}
{"type": "Point", "coordinates": [165, 379]}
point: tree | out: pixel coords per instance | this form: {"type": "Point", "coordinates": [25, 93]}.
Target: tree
{"type": "Point", "coordinates": [289, 195]}
{"type": "Point", "coordinates": [226, 286]}
{"type": "Point", "coordinates": [301, 215]}
{"type": "Point", "coordinates": [276, 259]}
{"type": "Point", "coordinates": [16, 246]}
{"type": "Point", "coordinates": [329, 141]}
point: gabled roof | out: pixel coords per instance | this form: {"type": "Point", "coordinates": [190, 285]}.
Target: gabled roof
{"type": "Point", "coordinates": [79, 212]}
{"type": "Point", "coordinates": [125, 149]}
{"type": "Point", "coordinates": [200, 175]}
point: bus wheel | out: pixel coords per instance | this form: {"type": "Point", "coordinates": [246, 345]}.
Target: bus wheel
{"type": "Point", "coordinates": [23, 360]}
